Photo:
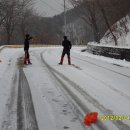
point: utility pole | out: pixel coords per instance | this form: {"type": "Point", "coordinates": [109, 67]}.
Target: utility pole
{"type": "Point", "coordinates": [65, 18]}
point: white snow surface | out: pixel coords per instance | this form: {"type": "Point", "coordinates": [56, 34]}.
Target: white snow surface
{"type": "Point", "coordinates": [51, 106]}
{"type": "Point", "coordinates": [119, 62]}
{"type": "Point", "coordinates": [7, 72]}
{"type": "Point", "coordinates": [105, 82]}
{"type": "Point", "coordinates": [103, 86]}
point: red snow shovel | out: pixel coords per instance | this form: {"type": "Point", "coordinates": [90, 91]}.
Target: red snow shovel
{"type": "Point", "coordinates": [91, 118]}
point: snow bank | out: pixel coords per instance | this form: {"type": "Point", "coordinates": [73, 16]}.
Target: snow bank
{"type": "Point", "coordinates": [111, 46]}
{"type": "Point", "coordinates": [1, 47]}
{"type": "Point", "coordinates": [119, 62]}
{"type": "Point", "coordinates": [122, 32]}
{"type": "Point", "coordinates": [110, 51]}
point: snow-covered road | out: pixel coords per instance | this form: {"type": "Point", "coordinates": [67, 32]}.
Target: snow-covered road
{"type": "Point", "coordinates": [60, 96]}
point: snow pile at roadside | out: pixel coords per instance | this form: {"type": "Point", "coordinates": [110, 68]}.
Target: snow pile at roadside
{"type": "Point", "coordinates": [106, 59]}
{"type": "Point", "coordinates": [122, 32]}
{"type": "Point", "coordinates": [1, 47]}
{"type": "Point", "coordinates": [112, 46]}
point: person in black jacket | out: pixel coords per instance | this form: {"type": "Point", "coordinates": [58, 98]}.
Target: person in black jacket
{"type": "Point", "coordinates": [66, 50]}
{"type": "Point", "coordinates": [26, 49]}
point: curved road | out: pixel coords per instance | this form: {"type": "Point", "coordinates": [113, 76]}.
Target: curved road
{"type": "Point", "coordinates": [47, 96]}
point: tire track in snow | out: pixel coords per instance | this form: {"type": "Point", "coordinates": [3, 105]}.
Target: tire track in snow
{"type": "Point", "coordinates": [10, 121]}
{"type": "Point", "coordinates": [127, 76]}
{"type": "Point", "coordinates": [108, 85]}
{"type": "Point", "coordinates": [67, 109]}
{"type": "Point", "coordinates": [26, 119]}
{"type": "Point", "coordinates": [100, 125]}
{"type": "Point", "coordinates": [104, 83]}
{"type": "Point", "coordinates": [119, 124]}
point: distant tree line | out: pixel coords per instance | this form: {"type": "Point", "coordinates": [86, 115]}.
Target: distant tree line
{"type": "Point", "coordinates": [18, 17]}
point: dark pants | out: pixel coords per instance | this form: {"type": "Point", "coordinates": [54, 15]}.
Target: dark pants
{"type": "Point", "coordinates": [68, 55]}
{"type": "Point", "coordinates": [27, 56]}
{"type": "Point", "coordinates": [66, 52]}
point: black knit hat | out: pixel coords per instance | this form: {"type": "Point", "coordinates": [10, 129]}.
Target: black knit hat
{"type": "Point", "coordinates": [27, 35]}
{"type": "Point", "coordinates": [65, 37]}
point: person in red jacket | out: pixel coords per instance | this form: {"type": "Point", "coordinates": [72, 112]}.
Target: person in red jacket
{"type": "Point", "coordinates": [26, 49]}
{"type": "Point", "coordinates": [66, 50]}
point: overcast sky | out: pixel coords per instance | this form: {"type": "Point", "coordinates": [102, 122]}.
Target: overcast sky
{"type": "Point", "coordinates": [50, 7]}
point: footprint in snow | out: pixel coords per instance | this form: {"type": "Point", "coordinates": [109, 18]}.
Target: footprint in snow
{"type": "Point", "coordinates": [66, 127]}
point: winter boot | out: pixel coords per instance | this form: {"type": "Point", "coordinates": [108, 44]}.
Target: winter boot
{"type": "Point", "coordinates": [61, 61]}
{"type": "Point", "coordinates": [29, 61]}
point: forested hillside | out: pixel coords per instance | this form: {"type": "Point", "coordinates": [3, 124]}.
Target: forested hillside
{"type": "Point", "coordinates": [86, 21]}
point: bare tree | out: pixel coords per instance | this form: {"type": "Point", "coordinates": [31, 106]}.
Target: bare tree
{"type": "Point", "coordinates": [106, 20]}
{"type": "Point", "coordinates": [3, 6]}
{"type": "Point", "coordinates": [13, 14]}
{"type": "Point", "coordinates": [26, 12]}
{"type": "Point", "coordinates": [87, 10]}
{"type": "Point", "coordinates": [9, 21]}
{"type": "Point", "coordinates": [90, 11]}
{"type": "Point", "coordinates": [11, 11]}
